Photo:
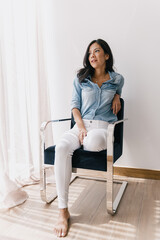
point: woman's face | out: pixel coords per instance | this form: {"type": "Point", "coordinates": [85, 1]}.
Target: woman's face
{"type": "Point", "coordinates": [97, 57]}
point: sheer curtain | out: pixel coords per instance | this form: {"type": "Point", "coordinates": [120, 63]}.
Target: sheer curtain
{"type": "Point", "coordinates": [24, 100]}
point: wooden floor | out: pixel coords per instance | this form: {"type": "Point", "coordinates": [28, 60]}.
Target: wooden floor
{"type": "Point", "coordinates": [137, 218]}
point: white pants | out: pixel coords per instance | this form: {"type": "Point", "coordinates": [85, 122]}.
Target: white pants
{"type": "Point", "coordinates": [96, 140]}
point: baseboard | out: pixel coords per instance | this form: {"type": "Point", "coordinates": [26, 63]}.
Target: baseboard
{"type": "Point", "coordinates": [137, 173]}
{"type": "Point", "coordinates": [123, 171]}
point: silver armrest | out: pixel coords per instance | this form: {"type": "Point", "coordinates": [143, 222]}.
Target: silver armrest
{"type": "Point", "coordinates": [110, 137]}
{"type": "Point", "coordinates": [117, 122]}
{"type": "Point", "coordinates": [44, 124]}
{"type": "Point", "coordinates": [42, 135]}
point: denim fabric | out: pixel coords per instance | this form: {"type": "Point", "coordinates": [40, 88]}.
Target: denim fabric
{"type": "Point", "coordinates": [95, 102]}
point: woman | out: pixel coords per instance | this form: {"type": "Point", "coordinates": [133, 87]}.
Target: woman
{"type": "Point", "coordinates": [95, 103]}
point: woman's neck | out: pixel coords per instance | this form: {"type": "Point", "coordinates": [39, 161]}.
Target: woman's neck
{"type": "Point", "coordinates": [99, 73]}
{"type": "Point", "coordinates": [100, 78]}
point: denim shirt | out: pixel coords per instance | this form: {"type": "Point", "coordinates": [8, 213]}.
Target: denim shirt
{"type": "Point", "coordinates": [95, 102]}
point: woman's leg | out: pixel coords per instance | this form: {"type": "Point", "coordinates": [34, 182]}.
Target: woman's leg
{"type": "Point", "coordinates": [63, 170]}
{"type": "Point", "coordinates": [96, 140]}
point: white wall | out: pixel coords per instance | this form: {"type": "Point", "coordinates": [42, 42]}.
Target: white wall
{"type": "Point", "coordinates": [132, 30]}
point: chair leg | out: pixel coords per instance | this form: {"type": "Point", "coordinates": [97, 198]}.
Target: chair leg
{"type": "Point", "coordinates": [43, 187]}
{"type": "Point", "coordinates": [119, 194]}
{"type": "Point", "coordinates": [113, 205]}
{"type": "Point", "coordinates": [109, 185]}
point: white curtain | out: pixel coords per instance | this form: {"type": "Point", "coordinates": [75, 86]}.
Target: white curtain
{"type": "Point", "coordinates": [24, 100]}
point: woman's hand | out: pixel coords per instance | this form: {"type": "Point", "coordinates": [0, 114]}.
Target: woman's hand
{"type": "Point", "coordinates": [82, 135]}
{"type": "Point", "coordinates": [116, 104]}
{"type": "Point", "coordinates": [80, 124]}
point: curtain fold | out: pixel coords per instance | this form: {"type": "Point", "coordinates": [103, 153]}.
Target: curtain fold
{"type": "Point", "coordinates": [24, 101]}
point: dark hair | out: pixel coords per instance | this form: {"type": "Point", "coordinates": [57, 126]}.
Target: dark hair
{"type": "Point", "coordinates": [88, 69]}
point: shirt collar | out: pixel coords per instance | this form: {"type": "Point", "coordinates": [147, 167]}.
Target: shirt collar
{"type": "Point", "coordinates": [110, 80]}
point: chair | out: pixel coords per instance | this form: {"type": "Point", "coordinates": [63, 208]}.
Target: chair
{"type": "Point", "coordinates": [93, 161]}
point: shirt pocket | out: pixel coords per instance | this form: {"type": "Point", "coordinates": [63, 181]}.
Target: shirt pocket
{"type": "Point", "coordinates": [87, 87]}
{"type": "Point", "coordinates": [88, 95]}
{"type": "Point", "coordinates": [108, 95]}
{"type": "Point", "coordinates": [112, 87]}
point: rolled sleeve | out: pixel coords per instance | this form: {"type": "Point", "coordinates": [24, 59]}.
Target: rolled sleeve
{"type": "Point", "coordinates": [120, 85]}
{"type": "Point", "coordinates": [76, 95]}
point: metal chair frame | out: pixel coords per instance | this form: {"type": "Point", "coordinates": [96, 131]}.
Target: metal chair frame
{"type": "Point", "coordinates": [110, 204]}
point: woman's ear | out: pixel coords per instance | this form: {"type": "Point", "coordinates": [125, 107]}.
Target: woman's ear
{"type": "Point", "coordinates": [106, 56]}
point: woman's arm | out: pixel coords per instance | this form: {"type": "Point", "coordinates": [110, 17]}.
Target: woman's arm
{"type": "Point", "coordinates": [80, 124]}
{"type": "Point", "coordinates": [116, 104]}
{"type": "Point", "coordinates": [75, 106]}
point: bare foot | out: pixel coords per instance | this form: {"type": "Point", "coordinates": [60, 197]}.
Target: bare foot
{"type": "Point", "coordinates": [61, 228]}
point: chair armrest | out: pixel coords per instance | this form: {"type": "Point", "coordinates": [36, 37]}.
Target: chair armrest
{"type": "Point", "coordinates": [111, 127]}
{"type": "Point", "coordinates": [44, 124]}
{"type": "Point", "coordinates": [42, 142]}
{"type": "Point", "coordinates": [42, 136]}
{"type": "Point", "coordinates": [119, 121]}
